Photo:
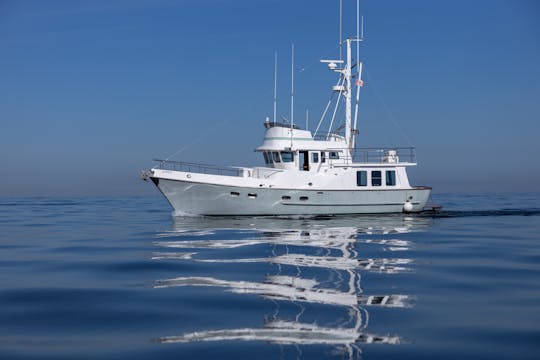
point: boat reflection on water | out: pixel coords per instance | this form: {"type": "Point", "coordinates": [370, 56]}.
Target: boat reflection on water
{"type": "Point", "coordinates": [330, 245]}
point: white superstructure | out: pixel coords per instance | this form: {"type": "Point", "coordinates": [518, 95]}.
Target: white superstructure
{"type": "Point", "coordinates": [303, 173]}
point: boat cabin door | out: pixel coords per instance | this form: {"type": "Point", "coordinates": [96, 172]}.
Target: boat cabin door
{"type": "Point", "coordinates": [304, 160]}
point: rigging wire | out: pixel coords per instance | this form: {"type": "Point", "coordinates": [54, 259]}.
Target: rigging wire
{"type": "Point", "coordinates": [324, 112]}
{"type": "Point", "coordinates": [184, 148]}
{"type": "Point", "coordinates": [317, 61]}
{"type": "Point", "coordinates": [389, 112]}
{"type": "Point", "coordinates": [335, 111]}
{"type": "Point", "coordinates": [197, 140]}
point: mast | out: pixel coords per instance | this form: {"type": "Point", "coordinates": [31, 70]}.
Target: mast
{"type": "Point", "coordinates": [344, 85]}
{"type": "Point", "coordinates": [292, 85]}
{"type": "Point", "coordinates": [359, 36]}
{"type": "Point", "coordinates": [275, 86]}
{"type": "Point", "coordinates": [347, 76]}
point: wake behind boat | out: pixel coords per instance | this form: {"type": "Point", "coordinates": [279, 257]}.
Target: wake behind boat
{"type": "Point", "coordinates": [304, 173]}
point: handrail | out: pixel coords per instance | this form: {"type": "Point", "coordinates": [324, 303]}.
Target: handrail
{"type": "Point", "coordinates": [199, 168]}
{"type": "Point", "coordinates": [327, 136]}
{"type": "Point", "coordinates": [373, 156]}
{"type": "Point", "coordinates": [385, 155]}
{"type": "Point", "coordinates": [264, 173]}
{"type": "Point", "coordinates": [358, 155]}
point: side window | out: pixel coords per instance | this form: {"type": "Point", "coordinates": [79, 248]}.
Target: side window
{"type": "Point", "coordinates": [315, 157]}
{"type": "Point", "coordinates": [390, 178]}
{"type": "Point", "coordinates": [287, 156]}
{"type": "Point", "coordinates": [266, 160]}
{"type": "Point", "coordinates": [276, 157]}
{"type": "Point", "coordinates": [361, 178]}
{"type": "Point", "coordinates": [323, 156]}
{"type": "Point", "coordinates": [334, 155]}
{"type": "Point", "coordinates": [376, 179]}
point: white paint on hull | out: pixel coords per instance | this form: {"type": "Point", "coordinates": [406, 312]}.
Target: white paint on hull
{"type": "Point", "coordinates": [191, 198]}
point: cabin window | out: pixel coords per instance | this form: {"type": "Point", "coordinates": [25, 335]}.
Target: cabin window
{"type": "Point", "coordinates": [235, 193]}
{"type": "Point", "coordinates": [315, 157]}
{"type": "Point", "coordinates": [303, 198]}
{"type": "Point", "coordinates": [303, 160]}
{"type": "Point", "coordinates": [376, 178]}
{"type": "Point", "coordinates": [252, 195]}
{"type": "Point", "coordinates": [276, 157]}
{"type": "Point", "coordinates": [333, 155]}
{"type": "Point", "coordinates": [266, 159]}
{"type": "Point", "coordinates": [323, 157]}
{"type": "Point", "coordinates": [361, 178]}
{"type": "Point", "coordinates": [287, 156]}
{"type": "Point", "coordinates": [285, 197]}
{"type": "Point", "coordinates": [390, 178]}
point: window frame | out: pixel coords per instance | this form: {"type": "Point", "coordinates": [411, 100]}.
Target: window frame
{"type": "Point", "coordinates": [392, 178]}
{"type": "Point", "coordinates": [374, 178]}
{"type": "Point", "coordinates": [333, 155]}
{"type": "Point", "coordinates": [362, 178]}
{"type": "Point", "coordinates": [290, 160]}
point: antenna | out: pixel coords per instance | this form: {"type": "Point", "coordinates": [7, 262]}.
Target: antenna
{"type": "Point", "coordinates": [275, 86]}
{"type": "Point", "coordinates": [358, 26]}
{"type": "Point", "coordinates": [340, 30]}
{"type": "Point", "coordinates": [292, 85]}
{"type": "Point", "coordinates": [307, 119]}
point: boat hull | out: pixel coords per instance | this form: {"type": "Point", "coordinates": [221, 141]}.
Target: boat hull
{"type": "Point", "coordinates": [193, 198]}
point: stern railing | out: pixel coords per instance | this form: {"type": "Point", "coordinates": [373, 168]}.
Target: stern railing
{"type": "Point", "coordinates": [385, 155]}
{"type": "Point", "coordinates": [373, 156]}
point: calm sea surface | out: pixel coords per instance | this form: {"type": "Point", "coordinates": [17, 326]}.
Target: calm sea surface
{"type": "Point", "coordinates": [120, 278]}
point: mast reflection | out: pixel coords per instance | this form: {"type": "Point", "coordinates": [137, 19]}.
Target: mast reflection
{"type": "Point", "coordinates": [330, 245]}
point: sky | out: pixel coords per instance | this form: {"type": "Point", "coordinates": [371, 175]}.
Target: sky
{"type": "Point", "coordinates": [92, 91]}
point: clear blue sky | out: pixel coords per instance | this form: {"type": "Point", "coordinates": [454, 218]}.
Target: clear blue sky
{"type": "Point", "coordinates": [92, 91]}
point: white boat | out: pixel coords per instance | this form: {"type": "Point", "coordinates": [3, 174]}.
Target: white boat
{"type": "Point", "coordinates": [304, 173]}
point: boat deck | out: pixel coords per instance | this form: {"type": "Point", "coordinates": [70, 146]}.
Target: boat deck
{"type": "Point", "coordinates": [360, 157]}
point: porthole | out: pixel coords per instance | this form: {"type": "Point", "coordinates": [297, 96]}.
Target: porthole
{"type": "Point", "coordinates": [234, 193]}
{"type": "Point", "coordinates": [303, 198]}
{"type": "Point", "coordinates": [285, 197]}
{"type": "Point", "coordinates": [252, 195]}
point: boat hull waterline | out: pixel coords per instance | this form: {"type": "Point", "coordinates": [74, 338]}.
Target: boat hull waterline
{"type": "Point", "coordinates": [195, 198]}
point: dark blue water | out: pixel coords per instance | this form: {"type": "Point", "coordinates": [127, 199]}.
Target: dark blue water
{"type": "Point", "coordinates": [117, 278]}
